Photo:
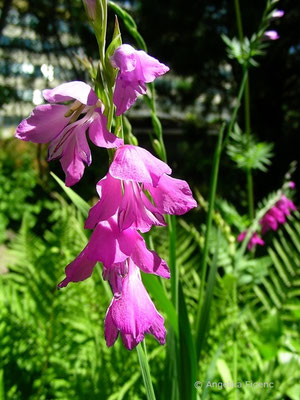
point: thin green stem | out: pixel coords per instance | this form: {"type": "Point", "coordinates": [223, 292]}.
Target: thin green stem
{"type": "Point", "coordinates": [236, 108]}
{"type": "Point", "coordinates": [211, 204]}
{"type": "Point", "coordinates": [250, 194]}
{"type": "Point", "coordinates": [235, 344]}
{"type": "Point", "coordinates": [246, 108]}
{"type": "Point", "coordinates": [143, 360]}
{"type": "Point", "coordinates": [172, 259]}
{"type": "Point", "coordinates": [238, 20]}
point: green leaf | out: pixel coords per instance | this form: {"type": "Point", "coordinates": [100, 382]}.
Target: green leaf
{"type": "Point", "coordinates": [78, 201]}
{"type": "Point", "coordinates": [247, 153]}
{"type": "Point", "coordinates": [155, 288]}
{"type": "Point", "coordinates": [115, 43]}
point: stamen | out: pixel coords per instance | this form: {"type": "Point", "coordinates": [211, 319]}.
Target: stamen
{"type": "Point", "coordinates": [76, 114]}
{"type": "Point", "coordinates": [74, 106]}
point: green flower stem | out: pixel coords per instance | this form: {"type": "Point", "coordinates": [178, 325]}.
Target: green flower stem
{"type": "Point", "coordinates": [211, 204]}
{"type": "Point", "coordinates": [143, 360]}
{"type": "Point", "coordinates": [246, 108]}
{"type": "Point", "coordinates": [238, 20]}
{"type": "Point", "coordinates": [250, 194]}
{"type": "Point", "coordinates": [171, 219]}
{"type": "Point", "coordinates": [236, 108]}
{"type": "Point", "coordinates": [235, 344]}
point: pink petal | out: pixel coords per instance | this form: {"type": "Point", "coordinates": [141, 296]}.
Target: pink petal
{"type": "Point", "coordinates": [44, 123]}
{"type": "Point", "coordinates": [242, 236]}
{"type": "Point", "coordinates": [79, 269]}
{"type": "Point", "coordinates": [75, 90]}
{"type": "Point", "coordinates": [255, 239]}
{"type": "Point", "coordinates": [110, 192]}
{"type": "Point", "coordinates": [277, 214]}
{"type": "Point", "coordinates": [99, 134]}
{"type": "Point", "coordinates": [76, 152]}
{"type": "Point", "coordinates": [137, 164]}
{"type": "Point", "coordinates": [124, 58]}
{"type": "Point", "coordinates": [148, 68]}
{"type": "Point", "coordinates": [136, 210]}
{"type": "Point", "coordinates": [125, 94]}
{"type": "Point", "coordinates": [134, 314]}
{"type": "Point", "coordinates": [272, 35]}
{"type": "Point", "coordinates": [110, 331]}
{"type": "Point", "coordinates": [109, 245]}
{"type": "Point", "coordinates": [148, 261]}
{"type": "Point", "coordinates": [172, 196]}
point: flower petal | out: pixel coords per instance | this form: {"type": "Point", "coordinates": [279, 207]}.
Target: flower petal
{"type": "Point", "coordinates": [172, 196]}
{"type": "Point", "coordinates": [76, 152]}
{"type": "Point", "coordinates": [148, 68]}
{"type": "Point", "coordinates": [79, 269]}
{"type": "Point", "coordinates": [136, 210]}
{"type": "Point", "coordinates": [134, 314]}
{"type": "Point", "coordinates": [148, 261]}
{"type": "Point", "coordinates": [110, 192]}
{"type": "Point", "coordinates": [125, 94]}
{"type": "Point", "coordinates": [110, 331]}
{"type": "Point", "coordinates": [75, 90]}
{"type": "Point", "coordinates": [124, 58]}
{"type": "Point", "coordinates": [109, 245]}
{"type": "Point", "coordinates": [138, 165]}
{"type": "Point", "coordinates": [99, 134]}
{"type": "Point", "coordinates": [44, 123]}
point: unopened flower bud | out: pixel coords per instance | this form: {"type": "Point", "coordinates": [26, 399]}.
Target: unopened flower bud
{"type": "Point", "coordinates": [272, 35]}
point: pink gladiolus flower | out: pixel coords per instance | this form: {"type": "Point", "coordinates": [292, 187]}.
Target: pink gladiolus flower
{"type": "Point", "coordinates": [254, 240]}
{"type": "Point", "coordinates": [272, 35]}
{"type": "Point", "coordinates": [112, 247]}
{"type": "Point", "coordinates": [277, 214]}
{"type": "Point", "coordinates": [135, 69]}
{"type": "Point", "coordinates": [133, 171]}
{"type": "Point", "coordinates": [277, 13]}
{"type": "Point", "coordinates": [58, 124]}
{"type": "Point", "coordinates": [132, 313]}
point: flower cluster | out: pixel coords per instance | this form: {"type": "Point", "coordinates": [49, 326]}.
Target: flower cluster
{"type": "Point", "coordinates": [134, 195]}
{"type": "Point", "coordinates": [274, 217]}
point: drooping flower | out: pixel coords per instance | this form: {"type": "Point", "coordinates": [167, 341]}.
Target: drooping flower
{"type": "Point", "coordinates": [112, 247]}
{"type": "Point", "coordinates": [272, 35]}
{"type": "Point", "coordinates": [136, 68]}
{"type": "Point", "coordinates": [132, 312]}
{"type": "Point", "coordinates": [64, 126]}
{"type": "Point", "coordinates": [254, 240]}
{"type": "Point", "coordinates": [277, 214]}
{"type": "Point", "coordinates": [133, 175]}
